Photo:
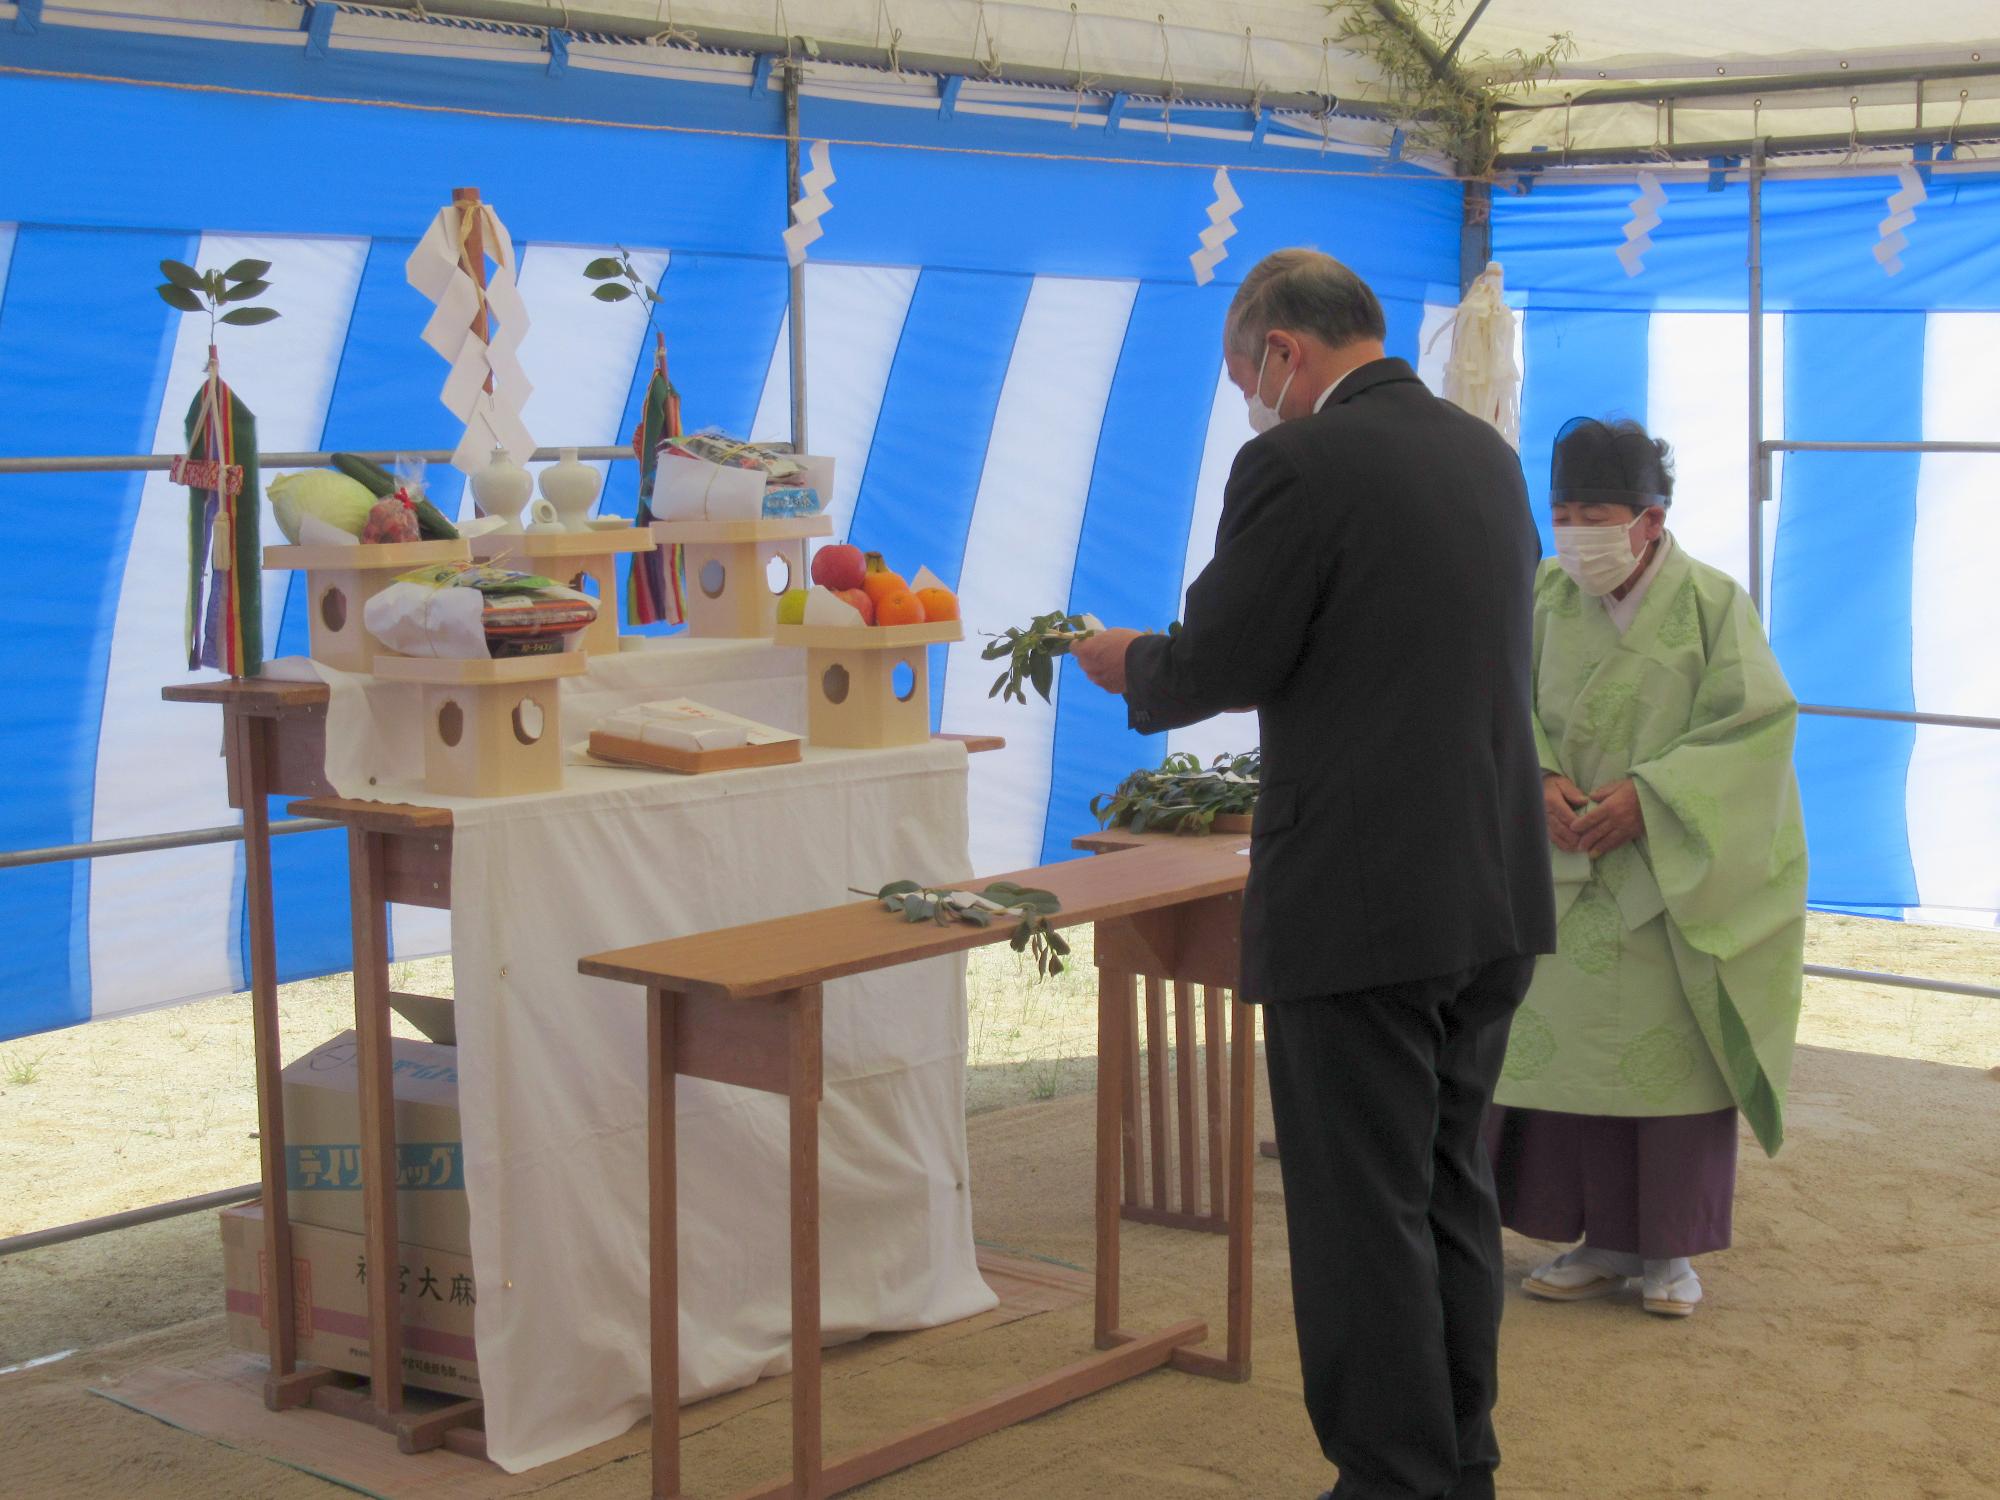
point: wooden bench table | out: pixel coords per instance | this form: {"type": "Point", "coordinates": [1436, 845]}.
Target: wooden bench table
{"type": "Point", "coordinates": [742, 1006]}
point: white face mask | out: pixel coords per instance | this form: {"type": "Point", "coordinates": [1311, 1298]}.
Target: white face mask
{"type": "Point", "coordinates": [1599, 558]}
{"type": "Point", "coordinates": [1263, 418]}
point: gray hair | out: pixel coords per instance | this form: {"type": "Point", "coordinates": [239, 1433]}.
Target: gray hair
{"type": "Point", "coordinates": [1301, 291]}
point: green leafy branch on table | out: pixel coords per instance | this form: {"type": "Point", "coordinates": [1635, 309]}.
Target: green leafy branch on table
{"type": "Point", "coordinates": [1032, 908]}
{"type": "Point", "coordinates": [1182, 796]}
{"type": "Point", "coordinates": [195, 291]}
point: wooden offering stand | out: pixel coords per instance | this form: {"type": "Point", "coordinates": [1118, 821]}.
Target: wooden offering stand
{"type": "Point", "coordinates": [729, 591]}
{"type": "Point", "coordinates": [341, 580]}
{"type": "Point", "coordinates": [743, 1006]}
{"type": "Point", "coordinates": [852, 702]}
{"type": "Point", "coordinates": [572, 558]}
{"type": "Point", "coordinates": [493, 727]}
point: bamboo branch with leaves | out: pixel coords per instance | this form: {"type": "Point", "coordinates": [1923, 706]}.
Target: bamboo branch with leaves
{"type": "Point", "coordinates": [1183, 795]}
{"type": "Point", "coordinates": [618, 279]}
{"type": "Point", "coordinates": [211, 292]}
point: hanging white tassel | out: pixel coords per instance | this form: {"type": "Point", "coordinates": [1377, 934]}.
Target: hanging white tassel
{"type": "Point", "coordinates": [1481, 376]}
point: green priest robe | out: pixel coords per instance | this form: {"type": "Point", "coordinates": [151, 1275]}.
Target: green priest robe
{"type": "Point", "coordinates": [1675, 988]}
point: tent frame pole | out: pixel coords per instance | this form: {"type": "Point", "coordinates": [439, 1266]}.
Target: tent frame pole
{"type": "Point", "coordinates": [1760, 463]}
{"type": "Point", "coordinates": [796, 295]}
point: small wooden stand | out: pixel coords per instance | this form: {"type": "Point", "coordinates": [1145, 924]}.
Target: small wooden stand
{"type": "Point", "coordinates": [743, 1006]}
{"type": "Point", "coordinates": [493, 727]}
{"type": "Point", "coordinates": [341, 580]}
{"type": "Point", "coordinates": [691, 762]}
{"type": "Point", "coordinates": [851, 697]}
{"type": "Point", "coordinates": [571, 558]}
{"type": "Point", "coordinates": [729, 592]}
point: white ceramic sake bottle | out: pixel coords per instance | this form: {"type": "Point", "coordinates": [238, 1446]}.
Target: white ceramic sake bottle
{"type": "Point", "coordinates": [503, 489]}
{"type": "Point", "coordinates": [571, 487]}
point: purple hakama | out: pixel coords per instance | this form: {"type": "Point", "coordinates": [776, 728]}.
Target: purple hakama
{"type": "Point", "coordinates": [1658, 1188]}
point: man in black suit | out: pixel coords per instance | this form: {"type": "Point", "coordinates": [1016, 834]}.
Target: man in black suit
{"type": "Point", "coordinates": [1371, 597]}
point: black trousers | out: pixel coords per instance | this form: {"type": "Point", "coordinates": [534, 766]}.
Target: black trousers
{"type": "Point", "coordinates": [1394, 1230]}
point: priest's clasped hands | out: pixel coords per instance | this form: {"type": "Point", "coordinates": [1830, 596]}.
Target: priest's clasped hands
{"type": "Point", "coordinates": [1613, 822]}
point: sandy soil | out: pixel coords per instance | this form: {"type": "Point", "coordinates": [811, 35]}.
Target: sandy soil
{"type": "Point", "coordinates": [147, 1108]}
{"type": "Point", "coordinates": [1847, 1347]}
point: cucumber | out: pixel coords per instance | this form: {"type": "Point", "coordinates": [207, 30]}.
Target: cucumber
{"type": "Point", "coordinates": [431, 524]}
{"type": "Point", "coordinates": [379, 482]}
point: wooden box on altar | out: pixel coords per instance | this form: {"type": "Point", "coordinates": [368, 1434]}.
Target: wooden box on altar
{"type": "Point", "coordinates": [341, 580]}
{"type": "Point", "coordinates": [492, 728]}
{"type": "Point", "coordinates": [853, 699]}
{"type": "Point", "coordinates": [573, 558]}
{"type": "Point", "coordinates": [732, 586]}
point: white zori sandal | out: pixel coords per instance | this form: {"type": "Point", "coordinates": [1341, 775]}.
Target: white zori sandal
{"type": "Point", "coordinates": [1581, 1274]}
{"type": "Point", "coordinates": [1670, 1289]}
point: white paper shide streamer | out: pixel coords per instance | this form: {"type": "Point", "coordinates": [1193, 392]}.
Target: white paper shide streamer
{"type": "Point", "coordinates": [1481, 376]}
{"type": "Point", "coordinates": [1902, 214]}
{"type": "Point", "coordinates": [440, 269]}
{"type": "Point", "coordinates": [1639, 228]}
{"type": "Point", "coordinates": [813, 203]}
{"type": "Point", "coordinates": [1219, 229]}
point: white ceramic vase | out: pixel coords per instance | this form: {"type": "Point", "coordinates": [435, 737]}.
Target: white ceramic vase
{"type": "Point", "coordinates": [571, 487]}
{"type": "Point", "coordinates": [503, 489]}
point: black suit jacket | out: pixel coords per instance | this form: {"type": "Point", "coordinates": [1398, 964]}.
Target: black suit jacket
{"type": "Point", "coordinates": [1371, 597]}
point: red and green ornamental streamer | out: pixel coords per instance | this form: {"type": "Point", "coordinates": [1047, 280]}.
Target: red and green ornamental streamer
{"type": "Point", "coordinates": [225, 559]}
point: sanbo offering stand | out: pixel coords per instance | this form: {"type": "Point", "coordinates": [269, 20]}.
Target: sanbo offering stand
{"type": "Point", "coordinates": [743, 1006]}
{"type": "Point", "coordinates": [730, 589]}
{"type": "Point", "coordinates": [341, 580]}
{"type": "Point", "coordinates": [492, 728]}
{"type": "Point", "coordinates": [853, 698]}
{"type": "Point", "coordinates": [573, 558]}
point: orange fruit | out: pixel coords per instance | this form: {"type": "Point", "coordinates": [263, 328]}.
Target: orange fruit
{"type": "Point", "coordinates": [879, 582]}
{"type": "Point", "coordinates": [939, 604]}
{"type": "Point", "coordinates": [900, 608]}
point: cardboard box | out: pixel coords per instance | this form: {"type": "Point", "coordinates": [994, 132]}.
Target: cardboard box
{"type": "Point", "coordinates": [323, 1142]}
{"type": "Point", "coordinates": [329, 1274]}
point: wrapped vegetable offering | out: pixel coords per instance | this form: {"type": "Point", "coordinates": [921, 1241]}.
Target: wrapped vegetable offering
{"type": "Point", "coordinates": [481, 610]}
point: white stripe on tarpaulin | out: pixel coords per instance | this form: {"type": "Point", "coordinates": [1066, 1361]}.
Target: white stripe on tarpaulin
{"type": "Point", "coordinates": [1696, 383]}
{"type": "Point", "coordinates": [580, 353]}
{"type": "Point", "coordinates": [1228, 430]}
{"type": "Point", "coordinates": [1020, 550]}
{"type": "Point", "coordinates": [161, 924]}
{"type": "Point", "coordinates": [6, 254]}
{"type": "Point", "coordinates": [1953, 806]}
{"type": "Point", "coordinates": [854, 320]}
{"type": "Point", "coordinates": [1434, 344]}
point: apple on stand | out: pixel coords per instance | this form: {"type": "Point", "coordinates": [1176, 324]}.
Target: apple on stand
{"type": "Point", "coordinates": [839, 567]}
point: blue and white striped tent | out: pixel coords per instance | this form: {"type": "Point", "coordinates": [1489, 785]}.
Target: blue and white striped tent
{"type": "Point", "coordinates": [1007, 353]}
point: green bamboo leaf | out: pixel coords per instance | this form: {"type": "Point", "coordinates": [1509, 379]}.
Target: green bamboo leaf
{"type": "Point", "coordinates": [611, 291]}
{"type": "Point", "coordinates": [1043, 674]}
{"type": "Point", "coordinates": [246, 270]}
{"type": "Point", "coordinates": [179, 296]}
{"type": "Point", "coordinates": [181, 275]}
{"type": "Point", "coordinates": [243, 291]}
{"type": "Point", "coordinates": [248, 317]}
{"type": "Point", "coordinates": [603, 268]}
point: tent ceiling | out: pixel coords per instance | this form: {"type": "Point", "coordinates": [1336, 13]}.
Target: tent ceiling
{"type": "Point", "coordinates": [1284, 53]}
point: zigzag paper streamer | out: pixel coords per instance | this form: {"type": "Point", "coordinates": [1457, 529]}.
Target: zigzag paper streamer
{"type": "Point", "coordinates": [1219, 229]}
{"type": "Point", "coordinates": [812, 204]}
{"type": "Point", "coordinates": [438, 270]}
{"type": "Point", "coordinates": [1645, 219]}
{"type": "Point", "coordinates": [1902, 214]}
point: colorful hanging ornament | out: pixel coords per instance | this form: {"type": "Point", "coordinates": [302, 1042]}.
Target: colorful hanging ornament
{"type": "Point", "coordinates": [225, 558]}
{"type": "Point", "coordinates": [653, 592]}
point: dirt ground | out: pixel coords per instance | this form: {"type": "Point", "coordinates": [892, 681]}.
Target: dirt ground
{"type": "Point", "coordinates": [1859, 1306]}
